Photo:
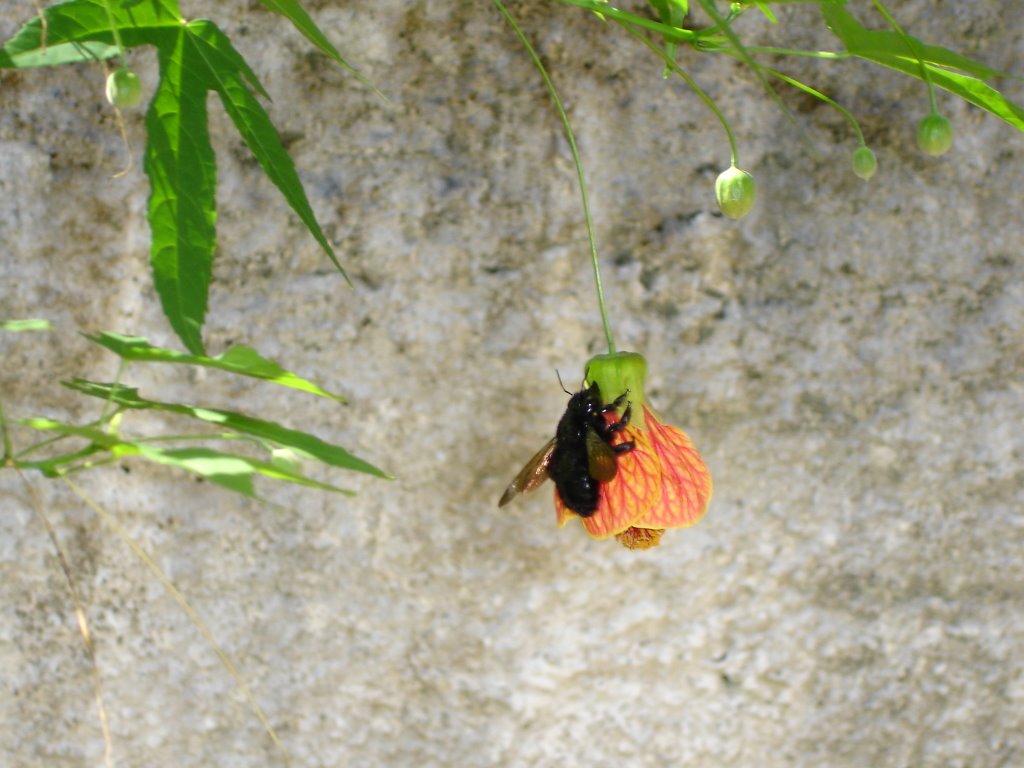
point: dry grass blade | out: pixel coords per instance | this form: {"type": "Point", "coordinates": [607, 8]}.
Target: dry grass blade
{"type": "Point", "coordinates": [83, 625]}
{"type": "Point", "coordinates": [183, 603]}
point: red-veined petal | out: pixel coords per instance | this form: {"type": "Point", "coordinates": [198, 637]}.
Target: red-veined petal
{"type": "Point", "coordinates": [685, 479]}
{"type": "Point", "coordinates": [634, 490]}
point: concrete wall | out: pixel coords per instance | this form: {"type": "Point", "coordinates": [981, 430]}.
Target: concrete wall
{"type": "Point", "coordinates": [848, 358]}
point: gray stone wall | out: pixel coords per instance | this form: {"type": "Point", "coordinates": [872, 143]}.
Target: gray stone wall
{"type": "Point", "coordinates": [848, 359]}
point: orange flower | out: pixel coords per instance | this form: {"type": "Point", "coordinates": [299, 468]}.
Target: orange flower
{"type": "Point", "coordinates": [661, 483]}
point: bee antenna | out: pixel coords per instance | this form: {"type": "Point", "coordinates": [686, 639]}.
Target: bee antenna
{"type": "Point", "coordinates": [560, 382]}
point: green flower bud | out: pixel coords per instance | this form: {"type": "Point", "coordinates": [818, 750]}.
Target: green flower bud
{"type": "Point", "coordinates": [735, 191]}
{"type": "Point", "coordinates": [934, 135]}
{"type": "Point", "coordinates": [124, 89]}
{"type": "Point", "coordinates": [864, 163]}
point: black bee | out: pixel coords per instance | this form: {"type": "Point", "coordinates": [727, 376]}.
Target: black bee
{"type": "Point", "coordinates": [579, 456]}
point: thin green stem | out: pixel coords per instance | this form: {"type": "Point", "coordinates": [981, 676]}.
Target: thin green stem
{"type": "Point", "coordinates": [829, 55]}
{"type": "Point", "coordinates": [105, 414]}
{"type": "Point", "coordinates": [913, 52]}
{"type": "Point", "coordinates": [734, 151]}
{"type": "Point", "coordinates": [114, 30]}
{"type": "Point", "coordinates": [43, 24]}
{"type": "Point", "coordinates": [727, 30]}
{"type": "Point", "coordinates": [202, 436]}
{"type": "Point", "coordinates": [819, 95]}
{"type": "Point", "coordinates": [571, 137]}
{"type": "Point", "coordinates": [47, 442]}
{"type": "Point", "coordinates": [8, 456]}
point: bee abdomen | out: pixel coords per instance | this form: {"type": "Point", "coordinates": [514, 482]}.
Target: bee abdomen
{"type": "Point", "coordinates": [577, 489]}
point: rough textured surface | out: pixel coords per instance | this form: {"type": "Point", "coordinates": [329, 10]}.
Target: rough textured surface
{"type": "Point", "coordinates": [848, 358]}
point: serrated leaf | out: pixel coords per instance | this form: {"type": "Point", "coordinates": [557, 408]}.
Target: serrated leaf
{"type": "Point", "coordinates": [228, 71]}
{"type": "Point", "coordinates": [194, 58]}
{"type": "Point", "coordinates": [333, 455]}
{"type": "Point", "coordinates": [182, 170]}
{"type": "Point", "coordinates": [242, 360]}
{"type": "Point", "coordinates": [85, 22]}
{"type": "Point", "coordinates": [17, 326]}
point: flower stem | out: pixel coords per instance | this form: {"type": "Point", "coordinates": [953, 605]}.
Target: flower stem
{"type": "Point", "coordinates": [115, 31]}
{"type": "Point", "coordinates": [819, 95]}
{"type": "Point", "coordinates": [708, 101]}
{"type": "Point", "coordinates": [571, 137]}
{"type": "Point", "coordinates": [913, 52]}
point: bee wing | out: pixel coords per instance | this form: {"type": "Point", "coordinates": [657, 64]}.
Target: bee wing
{"type": "Point", "coordinates": [600, 458]}
{"type": "Point", "coordinates": [532, 475]}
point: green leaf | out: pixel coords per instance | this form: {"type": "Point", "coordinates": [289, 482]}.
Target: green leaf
{"type": "Point", "coordinates": [182, 172]}
{"type": "Point", "coordinates": [871, 44]}
{"type": "Point", "coordinates": [768, 13]}
{"type": "Point", "coordinates": [889, 49]}
{"type": "Point", "coordinates": [194, 58]}
{"type": "Point", "coordinates": [85, 22]}
{"type": "Point", "coordinates": [65, 53]}
{"type": "Point", "coordinates": [671, 11]}
{"type": "Point", "coordinates": [224, 469]}
{"type": "Point", "coordinates": [978, 93]}
{"type": "Point", "coordinates": [16, 326]}
{"type": "Point", "coordinates": [297, 15]}
{"type": "Point", "coordinates": [228, 470]}
{"type": "Point", "coordinates": [602, 9]}
{"type": "Point", "coordinates": [227, 69]}
{"type": "Point", "coordinates": [98, 439]}
{"type": "Point", "coordinates": [333, 455]}
{"type": "Point", "coordinates": [242, 360]}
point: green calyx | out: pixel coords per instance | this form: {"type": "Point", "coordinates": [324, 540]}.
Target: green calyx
{"type": "Point", "coordinates": [616, 373]}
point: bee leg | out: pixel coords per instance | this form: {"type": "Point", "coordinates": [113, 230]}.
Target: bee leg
{"type": "Point", "coordinates": [614, 404]}
{"type": "Point", "coordinates": [625, 447]}
{"type": "Point", "coordinates": [621, 423]}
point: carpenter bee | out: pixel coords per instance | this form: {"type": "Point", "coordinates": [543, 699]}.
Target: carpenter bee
{"type": "Point", "coordinates": [579, 456]}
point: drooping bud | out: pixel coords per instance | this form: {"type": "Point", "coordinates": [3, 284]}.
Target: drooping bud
{"type": "Point", "coordinates": [864, 163]}
{"type": "Point", "coordinates": [934, 135]}
{"type": "Point", "coordinates": [124, 89]}
{"type": "Point", "coordinates": [735, 191]}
